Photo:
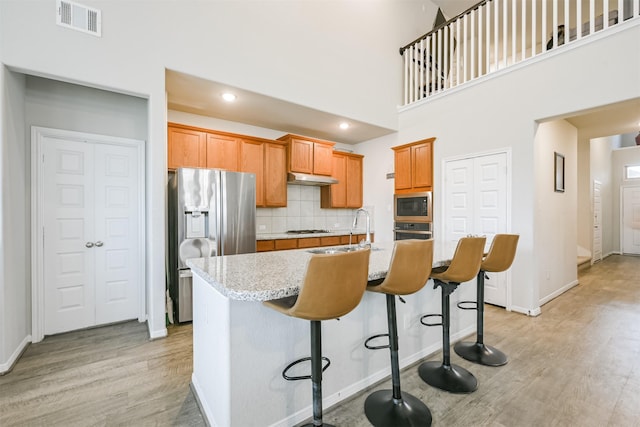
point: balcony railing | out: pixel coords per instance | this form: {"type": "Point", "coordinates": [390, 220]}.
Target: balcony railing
{"type": "Point", "coordinates": [496, 34]}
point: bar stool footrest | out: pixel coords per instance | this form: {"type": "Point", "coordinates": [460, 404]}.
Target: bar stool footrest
{"type": "Point", "coordinates": [425, 323]}
{"type": "Point", "coordinates": [302, 377]}
{"type": "Point", "coordinates": [376, 347]}
{"type": "Point", "coordinates": [480, 353]}
{"type": "Point", "coordinates": [451, 378]}
{"type": "Point", "coordinates": [383, 410]}
{"type": "Point", "coordinates": [468, 305]}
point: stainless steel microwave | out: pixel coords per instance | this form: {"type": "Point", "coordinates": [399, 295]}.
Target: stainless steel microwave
{"type": "Point", "coordinates": [413, 207]}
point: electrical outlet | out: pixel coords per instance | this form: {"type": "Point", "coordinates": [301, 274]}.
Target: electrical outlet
{"type": "Point", "coordinates": [262, 227]}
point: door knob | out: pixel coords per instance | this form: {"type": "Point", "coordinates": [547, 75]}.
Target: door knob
{"type": "Point", "coordinates": [99, 243]}
{"type": "Point", "coordinates": [89, 244]}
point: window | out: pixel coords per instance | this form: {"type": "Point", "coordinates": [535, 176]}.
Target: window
{"type": "Point", "coordinates": [632, 172]}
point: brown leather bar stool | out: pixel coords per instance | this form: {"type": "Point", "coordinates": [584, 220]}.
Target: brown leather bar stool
{"type": "Point", "coordinates": [409, 271]}
{"type": "Point", "coordinates": [332, 287]}
{"type": "Point", "coordinates": [499, 258]}
{"type": "Point", "coordinates": [464, 266]}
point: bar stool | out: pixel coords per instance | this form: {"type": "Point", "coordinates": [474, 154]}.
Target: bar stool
{"type": "Point", "coordinates": [408, 273]}
{"type": "Point", "coordinates": [464, 266]}
{"type": "Point", "coordinates": [332, 287]}
{"type": "Point", "coordinates": [499, 258]}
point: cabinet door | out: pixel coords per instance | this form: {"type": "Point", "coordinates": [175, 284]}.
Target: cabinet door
{"type": "Point", "coordinates": [252, 161]}
{"type": "Point", "coordinates": [322, 158]}
{"type": "Point", "coordinates": [402, 168]}
{"type": "Point", "coordinates": [421, 165]}
{"type": "Point", "coordinates": [222, 152]}
{"type": "Point", "coordinates": [301, 156]}
{"type": "Point", "coordinates": [275, 175]}
{"type": "Point", "coordinates": [187, 148]}
{"type": "Point", "coordinates": [339, 191]}
{"type": "Point", "coordinates": [354, 182]}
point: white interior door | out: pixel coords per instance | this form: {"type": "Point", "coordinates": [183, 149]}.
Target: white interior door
{"type": "Point", "coordinates": [458, 199]}
{"type": "Point", "coordinates": [597, 221]}
{"type": "Point", "coordinates": [475, 202]}
{"type": "Point", "coordinates": [116, 233]}
{"type": "Point", "coordinates": [631, 220]}
{"type": "Point", "coordinates": [91, 232]}
{"type": "Point", "coordinates": [68, 264]}
{"type": "Point", "coordinates": [491, 215]}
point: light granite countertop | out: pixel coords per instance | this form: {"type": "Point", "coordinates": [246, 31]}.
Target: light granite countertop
{"type": "Point", "coordinates": [271, 275]}
{"type": "Point", "coordinates": [274, 236]}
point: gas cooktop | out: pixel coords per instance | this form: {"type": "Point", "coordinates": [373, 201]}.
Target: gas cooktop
{"type": "Point", "coordinates": [307, 231]}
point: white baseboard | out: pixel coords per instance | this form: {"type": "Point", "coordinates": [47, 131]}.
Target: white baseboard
{"type": "Point", "coordinates": [8, 365]}
{"type": "Point", "coordinates": [159, 333]}
{"type": "Point", "coordinates": [559, 292]}
{"type": "Point", "coordinates": [205, 410]}
{"type": "Point", "coordinates": [528, 311]}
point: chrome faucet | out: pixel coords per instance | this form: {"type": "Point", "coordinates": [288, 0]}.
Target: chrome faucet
{"type": "Point", "coordinates": [367, 238]}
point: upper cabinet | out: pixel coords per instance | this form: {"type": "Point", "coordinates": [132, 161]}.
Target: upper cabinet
{"type": "Point", "coordinates": [347, 193]}
{"type": "Point", "coordinates": [186, 148]}
{"type": "Point", "coordinates": [309, 155]}
{"type": "Point", "coordinates": [267, 159]}
{"type": "Point", "coordinates": [223, 152]}
{"type": "Point", "coordinates": [414, 166]}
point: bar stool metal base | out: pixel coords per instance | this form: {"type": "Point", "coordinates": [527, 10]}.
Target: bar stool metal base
{"type": "Point", "coordinates": [322, 425]}
{"type": "Point", "coordinates": [382, 409]}
{"type": "Point", "coordinates": [451, 378]}
{"type": "Point", "coordinates": [480, 353]}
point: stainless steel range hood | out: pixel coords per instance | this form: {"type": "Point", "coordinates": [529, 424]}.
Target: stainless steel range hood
{"type": "Point", "coordinates": [306, 179]}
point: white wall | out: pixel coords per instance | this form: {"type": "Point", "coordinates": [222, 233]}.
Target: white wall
{"type": "Point", "coordinates": [555, 225]}
{"type": "Point", "coordinates": [51, 103]}
{"type": "Point", "coordinates": [15, 314]}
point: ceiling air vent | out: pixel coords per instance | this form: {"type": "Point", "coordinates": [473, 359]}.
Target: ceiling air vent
{"type": "Point", "coordinates": [78, 17]}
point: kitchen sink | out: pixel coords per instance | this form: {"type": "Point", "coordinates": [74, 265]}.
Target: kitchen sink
{"type": "Point", "coordinates": [339, 249]}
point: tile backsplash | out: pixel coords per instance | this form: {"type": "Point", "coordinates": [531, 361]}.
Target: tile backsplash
{"type": "Point", "coordinates": [303, 212]}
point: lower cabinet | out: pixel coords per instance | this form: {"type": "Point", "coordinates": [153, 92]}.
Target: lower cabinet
{"type": "Point", "coordinates": [307, 242]}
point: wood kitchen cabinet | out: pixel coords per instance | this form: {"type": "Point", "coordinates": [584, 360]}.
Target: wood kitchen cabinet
{"type": "Point", "coordinates": [267, 160]}
{"type": "Point", "coordinates": [347, 193]}
{"type": "Point", "coordinates": [186, 148]}
{"type": "Point", "coordinates": [223, 152]}
{"type": "Point", "coordinates": [413, 166]}
{"type": "Point", "coordinates": [308, 155]}
{"type": "Point", "coordinates": [307, 242]}
{"type": "Point", "coordinates": [204, 148]}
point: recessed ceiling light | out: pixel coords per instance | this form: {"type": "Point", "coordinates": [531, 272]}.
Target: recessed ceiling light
{"type": "Point", "coordinates": [344, 125]}
{"type": "Point", "coordinates": [229, 97]}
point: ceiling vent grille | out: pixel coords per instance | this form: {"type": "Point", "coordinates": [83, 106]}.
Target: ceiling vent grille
{"type": "Point", "coordinates": [78, 17]}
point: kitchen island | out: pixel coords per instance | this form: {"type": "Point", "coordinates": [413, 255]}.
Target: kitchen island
{"type": "Point", "coordinates": [240, 347]}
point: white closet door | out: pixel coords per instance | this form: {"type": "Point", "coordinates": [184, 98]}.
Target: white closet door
{"type": "Point", "coordinates": [116, 232]}
{"type": "Point", "coordinates": [475, 198]}
{"type": "Point", "coordinates": [491, 215]}
{"type": "Point", "coordinates": [68, 226]}
{"type": "Point", "coordinates": [459, 196]}
{"type": "Point", "coordinates": [597, 221]}
{"type": "Point", "coordinates": [91, 234]}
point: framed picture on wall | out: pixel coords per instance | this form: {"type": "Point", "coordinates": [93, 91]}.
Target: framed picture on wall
{"type": "Point", "coordinates": [558, 171]}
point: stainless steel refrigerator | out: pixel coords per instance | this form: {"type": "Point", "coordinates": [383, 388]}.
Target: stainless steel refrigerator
{"type": "Point", "coordinates": [211, 213]}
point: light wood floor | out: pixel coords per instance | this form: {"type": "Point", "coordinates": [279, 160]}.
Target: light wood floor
{"type": "Point", "coordinates": [578, 364]}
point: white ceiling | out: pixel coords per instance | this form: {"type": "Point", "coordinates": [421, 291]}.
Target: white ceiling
{"type": "Point", "coordinates": [614, 119]}
{"type": "Point", "coordinates": [203, 97]}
